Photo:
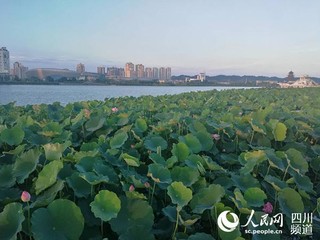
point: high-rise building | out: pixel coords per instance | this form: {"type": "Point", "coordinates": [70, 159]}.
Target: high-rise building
{"type": "Point", "coordinates": [19, 70]}
{"type": "Point", "coordinates": [155, 73]}
{"type": "Point", "coordinates": [168, 73]}
{"type": "Point", "coordinates": [4, 61]}
{"type": "Point", "coordinates": [129, 70]}
{"type": "Point", "coordinates": [148, 73]}
{"type": "Point", "coordinates": [162, 73]}
{"type": "Point", "coordinates": [140, 70]}
{"type": "Point", "coordinates": [101, 70]}
{"type": "Point", "coordinates": [80, 68]}
{"type": "Point", "coordinates": [114, 72]}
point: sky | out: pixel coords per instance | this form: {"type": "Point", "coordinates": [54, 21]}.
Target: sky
{"type": "Point", "coordinates": [232, 37]}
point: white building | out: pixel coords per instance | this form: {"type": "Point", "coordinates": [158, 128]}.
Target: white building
{"type": "Point", "coordinates": [4, 61]}
{"type": "Point", "coordinates": [19, 70]}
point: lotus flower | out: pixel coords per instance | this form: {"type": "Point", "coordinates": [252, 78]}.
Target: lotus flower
{"type": "Point", "coordinates": [87, 113]}
{"type": "Point", "coordinates": [25, 196]}
{"type": "Point", "coordinates": [267, 208]}
{"type": "Point", "coordinates": [147, 185]}
{"type": "Point", "coordinates": [215, 136]}
{"type": "Point", "coordinates": [131, 188]}
{"type": "Point", "coordinates": [114, 109]}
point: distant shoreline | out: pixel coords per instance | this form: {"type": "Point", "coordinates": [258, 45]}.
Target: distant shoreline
{"type": "Point", "coordinates": [130, 84]}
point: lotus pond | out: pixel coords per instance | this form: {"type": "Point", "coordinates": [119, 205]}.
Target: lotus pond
{"type": "Point", "coordinates": [160, 167]}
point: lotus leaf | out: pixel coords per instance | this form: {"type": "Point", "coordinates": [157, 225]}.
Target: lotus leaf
{"type": "Point", "coordinates": [290, 201]}
{"type": "Point", "coordinates": [134, 213]}
{"type": "Point", "coordinates": [179, 194]}
{"type": "Point", "coordinates": [11, 219]}
{"type": "Point", "coordinates": [25, 164]}
{"type": "Point", "coordinates": [48, 176]}
{"type": "Point", "coordinates": [12, 136]}
{"type": "Point", "coordinates": [106, 205]}
{"type": "Point", "coordinates": [118, 140]}
{"type": "Point", "coordinates": [205, 198]}
{"type": "Point", "coordinates": [255, 196]}
{"type": "Point", "coordinates": [153, 142]}
{"type": "Point", "coordinates": [159, 173]}
{"type": "Point", "coordinates": [181, 151]}
{"type": "Point", "coordinates": [62, 219]}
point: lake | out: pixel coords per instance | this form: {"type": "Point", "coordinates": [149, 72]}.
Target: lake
{"type": "Point", "coordinates": [37, 94]}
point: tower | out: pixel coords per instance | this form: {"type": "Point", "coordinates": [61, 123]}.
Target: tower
{"type": "Point", "coordinates": [4, 61]}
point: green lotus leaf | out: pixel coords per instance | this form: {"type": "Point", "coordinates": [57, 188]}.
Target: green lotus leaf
{"type": "Point", "coordinates": [93, 179]}
{"type": "Point", "coordinates": [62, 219]}
{"type": "Point", "coordinates": [106, 205]}
{"type": "Point", "coordinates": [123, 119]}
{"type": "Point", "coordinates": [186, 175]}
{"type": "Point", "coordinates": [12, 136]}
{"type": "Point", "coordinates": [303, 183]}
{"type": "Point", "coordinates": [159, 173]}
{"type": "Point", "coordinates": [86, 164]}
{"type": "Point", "coordinates": [141, 125]}
{"type": "Point", "coordinates": [290, 201]}
{"type": "Point", "coordinates": [171, 213]}
{"type": "Point", "coordinates": [51, 129]}
{"type": "Point", "coordinates": [11, 219]}
{"type": "Point", "coordinates": [156, 158]}
{"type": "Point", "coordinates": [7, 178]}
{"type": "Point", "coordinates": [48, 195]}
{"type": "Point", "coordinates": [25, 164]}
{"type": "Point", "coordinates": [80, 186]}
{"type": "Point", "coordinates": [200, 236]}
{"type": "Point", "coordinates": [279, 132]}
{"type": "Point", "coordinates": [94, 124]}
{"type": "Point", "coordinates": [205, 198]}
{"type": "Point", "coordinates": [153, 142]}
{"type": "Point", "coordinates": [130, 160]}
{"type": "Point", "coordinates": [90, 146]}
{"type": "Point", "coordinates": [181, 151]}
{"type": "Point", "coordinates": [251, 159]}
{"type": "Point", "coordinates": [257, 127]}
{"type": "Point", "coordinates": [118, 140]}
{"type": "Point", "coordinates": [134, 213]}
{"type": "Point", "coordinates": [53, 151]}
{"type": "Point", "coordinates": [48, 176]}
{"type": "Point", "coordinates": [297, 161]}
{"type": "Point", "coordinates": [8, 195]}
{"type": "Point", "coordinates": [179, 194]}
{"type": "Point", "coordinates": [205, 139]}
{"type": "Point", "coordinates": [255, 197]}
{"type": "Point", "coordinates": [17, 151]}
{"type": "Point", "coordinates": [276, 183]}
{"type": "Point", "coordinates": [245, 181]}
{"type": "Point", "coordinates": [192, 142]}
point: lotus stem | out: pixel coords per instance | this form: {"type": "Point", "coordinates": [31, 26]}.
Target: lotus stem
{"type": "Point", "coordinates": [154, 186]}
{"type": "Point", "coordinates": [176, 226]}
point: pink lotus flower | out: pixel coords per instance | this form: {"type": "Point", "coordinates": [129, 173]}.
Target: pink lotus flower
{"type": "Point", "coordinates": [147, 185]}
{"type": "Point", "coordinates": [215, 136]}
{"type": "Point", "coordinates": [25, 196]}
{"type": "Point", "coordinates": [114, 109]}
{"type": "Point", "coordinates": [267, 208]}
{"type": "Point", "coordinates": [131, 188]}
{"type": "Point", "coordinates": [87, 113]}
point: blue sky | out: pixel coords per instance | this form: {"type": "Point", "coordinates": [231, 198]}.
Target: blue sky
{"type": "Point", "coordinates": [252, 37]}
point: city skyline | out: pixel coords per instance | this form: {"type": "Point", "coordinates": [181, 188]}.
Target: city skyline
{"type": "Point", "coordinates": [233, 38]}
